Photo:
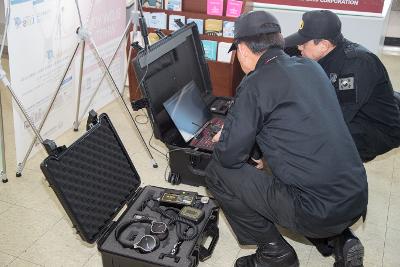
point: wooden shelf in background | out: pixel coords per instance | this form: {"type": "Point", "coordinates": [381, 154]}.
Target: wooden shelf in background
{"type": "Point", "coordinates": [225, 77]}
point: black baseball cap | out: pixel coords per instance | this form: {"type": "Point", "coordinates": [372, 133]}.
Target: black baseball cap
{"type": "Point", "coordinates": [254, 23]}
{"type": "Point", "coordinates": [316, 24]}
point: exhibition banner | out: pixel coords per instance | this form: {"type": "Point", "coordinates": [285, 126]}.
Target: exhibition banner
{"type": "Point", "coordinates": [373, 6]}
{"type": "Point", "coordinates": [41, 39]}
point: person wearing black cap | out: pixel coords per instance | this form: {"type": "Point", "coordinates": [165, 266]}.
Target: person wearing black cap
{"type": "Point", "coordinates": [318, 186]}
{"type": "Point", "coordinates": [362, 84]}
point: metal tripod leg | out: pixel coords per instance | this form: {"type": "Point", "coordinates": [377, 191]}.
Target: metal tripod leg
{"type": "Point", "coordinates": [76, 123]}
{"type": "Point", "coordinates": [104, 74]}
{"type": "Point", "coordinates": [126, 70]}
{"type": "Point", "coordinates": [103, 64]}
{"type": "Point", "coordinates": [3, 172]}
{"type": "Point", "coordinates": [7, 84]}
{"type": "Point", "coordinates": [21, 165]}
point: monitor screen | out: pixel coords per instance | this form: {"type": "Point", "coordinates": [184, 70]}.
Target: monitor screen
{"type": "Point", "coordinates": [188, 110]}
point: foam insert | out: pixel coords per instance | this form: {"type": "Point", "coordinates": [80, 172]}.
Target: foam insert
{"type": "Point", "coordinates": [93, 178]}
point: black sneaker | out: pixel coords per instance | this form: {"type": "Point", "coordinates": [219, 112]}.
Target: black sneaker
{"type": "Point", "coordinates": [276, 254]}
{"type": "Point", "coordinates": [349, 252]}
{"type": "Point", "coordinates": [325, 246]}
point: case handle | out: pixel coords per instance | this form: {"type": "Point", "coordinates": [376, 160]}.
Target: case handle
{"type": "Point", "coordinates": [195, 160]}
{"type": "Point", "coordinates": [213, 232]}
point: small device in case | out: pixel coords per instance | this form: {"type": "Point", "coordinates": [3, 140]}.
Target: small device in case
{"type": "Point", "coordinates": [192, 214]}
{"type": "Point", "coordinates": [178, 198]}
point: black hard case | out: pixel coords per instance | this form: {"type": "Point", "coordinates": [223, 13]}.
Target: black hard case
{"type": "Point", "coordinates": [163, 69]}
{"type": "Point", "coordinates": [94, 178]}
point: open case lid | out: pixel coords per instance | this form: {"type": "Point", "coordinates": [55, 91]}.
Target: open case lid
{"type": "Point", "coordinates": [166, 67]}
{"type": "Point", "coordinates": [93, 178]}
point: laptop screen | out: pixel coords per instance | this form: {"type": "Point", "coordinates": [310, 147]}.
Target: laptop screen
{"type": "Point", "coordinates": [188, 110]}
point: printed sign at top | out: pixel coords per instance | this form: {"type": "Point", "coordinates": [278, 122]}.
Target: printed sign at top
{"type": "Point", "coordinates": [374, 6]}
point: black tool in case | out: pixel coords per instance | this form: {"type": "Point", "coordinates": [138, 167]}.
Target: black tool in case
{"type": "Point", "coordinates": [94, 178]}
{"type": "Point", "coordinates": [163, 69]}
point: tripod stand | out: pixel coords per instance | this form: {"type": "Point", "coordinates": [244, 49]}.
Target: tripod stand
{"type": "Point", "coordinates": [85, 37]}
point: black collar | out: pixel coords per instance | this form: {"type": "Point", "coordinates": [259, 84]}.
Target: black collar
{"type": "Point", "coordinates": [333, 55]}
{"type": "Point", "coordinates": [269, 56]}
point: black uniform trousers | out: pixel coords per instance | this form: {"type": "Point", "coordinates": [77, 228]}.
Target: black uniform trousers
{"type": "Point", "coordinates": [253, 202]}
{"type": "Point", "coordinates": [371, 141]}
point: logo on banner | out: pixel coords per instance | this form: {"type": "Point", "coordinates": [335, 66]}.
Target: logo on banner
{"type": "Point", "coordinates": [24, 22]}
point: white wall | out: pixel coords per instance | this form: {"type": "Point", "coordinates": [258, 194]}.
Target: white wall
{"type": "Point", "coordinates": [2, 12]}
{"type": "Point", "coordinates": [2, 19]}
{"type": "Point", "coordinates": [368, 30]}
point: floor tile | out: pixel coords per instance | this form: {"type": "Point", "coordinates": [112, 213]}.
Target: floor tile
{"type": "Point", "coordinates": [394, 212]}
{"type": "Point", "coordinates": [380, 168]}
{"type": "Point", "coordinates": [94, 261]}
{"type": "Point", "coordinates": [392, 255]}
{"type": "Point", "coordinates": [4, 206]}
{"type": "Point", "coordinates": [395, 187]}
{"type": "Point", "coordinates": [5, 259]}
{"type": "Point", "coordinates": [20, 188]}
{"type": "Point", "coordinates": [21, 227]}
{"type": "Point", "coordinates": [56, 246]}
{"type": "Point", "coordinates": [224, 253]}
{"type": "Point", "coordinates": [378, 207]}
{"type": "Point", "coordinates": [372, 237]}
{"type": "Point", "coordinates": [22, 263]}
{"type": "Point", "coordinates": [42, 198]}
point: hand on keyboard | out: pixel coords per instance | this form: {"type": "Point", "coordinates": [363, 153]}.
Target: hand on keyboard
{"type": "Point", "coordinates": [217, 135]}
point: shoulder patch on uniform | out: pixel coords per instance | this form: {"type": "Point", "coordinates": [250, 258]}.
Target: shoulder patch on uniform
{"type": "Point", "coordinates": [346, 83]}
{"type": "Point", "coordinates": [333, 77]}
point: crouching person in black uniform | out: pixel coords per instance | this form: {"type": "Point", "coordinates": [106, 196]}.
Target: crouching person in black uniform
{"type": "Point", "coordinates": [318, 187]}
{"type": "Point", "coordinates": [362, 84]}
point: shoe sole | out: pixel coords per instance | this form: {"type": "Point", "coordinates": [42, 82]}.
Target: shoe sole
{"type": "Point", "coordinates": [353, 254]}
{"type": "Point", "coordinates": [296, 264]}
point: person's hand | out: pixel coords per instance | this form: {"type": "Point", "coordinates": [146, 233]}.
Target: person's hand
{"type": "Point", "coordinates": [217, 136]}
{"type": "Point", "coordinates": [259, 163]}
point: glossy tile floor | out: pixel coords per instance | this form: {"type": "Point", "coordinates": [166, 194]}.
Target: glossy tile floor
{"type": "Point", "coordinates": [35, 230]}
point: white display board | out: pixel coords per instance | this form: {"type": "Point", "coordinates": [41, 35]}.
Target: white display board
{"type": "Point", "coordinates": [41, 39]}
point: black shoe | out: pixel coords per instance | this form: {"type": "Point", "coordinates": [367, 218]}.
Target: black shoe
{"type": "Point", "coordinates": [349, 252]}
{"type": "Point", "coordinates": [325, 246]}
{"type": "Point", "coordinates": [276, 254]}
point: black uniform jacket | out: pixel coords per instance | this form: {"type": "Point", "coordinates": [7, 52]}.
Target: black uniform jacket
{"type": "Point", "coordinates": [289, 107]}
{"type": "Point", "coordinates": [365, 93]}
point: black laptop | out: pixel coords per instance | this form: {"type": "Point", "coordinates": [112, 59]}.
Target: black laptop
{"type": "Point", "coordinates": [192, 117]}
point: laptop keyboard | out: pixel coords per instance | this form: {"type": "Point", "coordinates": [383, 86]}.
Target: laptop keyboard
{"type": "Point", "coordinates": [204, 139]}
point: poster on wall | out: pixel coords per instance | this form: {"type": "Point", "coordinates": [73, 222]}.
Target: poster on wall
{"type": "Point", "coordinates": [373, 6]}
{"type": "Point", "coordinates": [41, 39]}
